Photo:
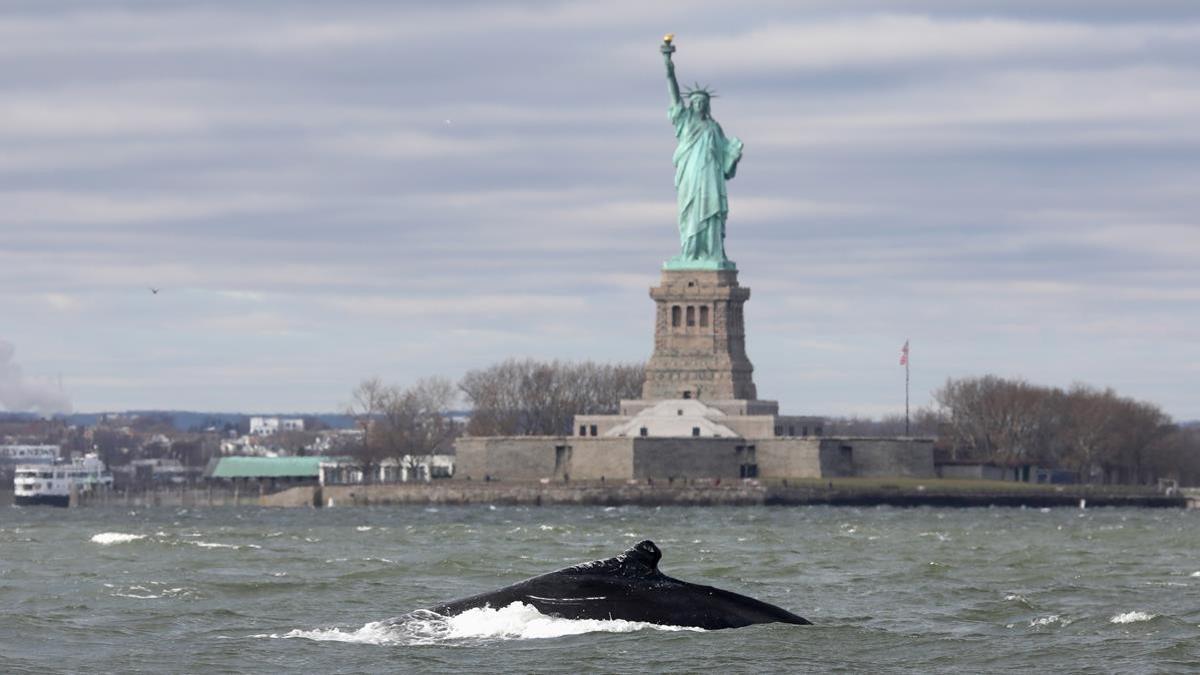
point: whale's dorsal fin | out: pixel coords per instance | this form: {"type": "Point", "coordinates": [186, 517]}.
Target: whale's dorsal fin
{"type": "Point", "coordinates": [639, 561]}
{"type": "Point", "coordinates": [642, 554]}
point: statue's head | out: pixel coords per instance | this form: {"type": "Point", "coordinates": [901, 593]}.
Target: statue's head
{"type": "Point", "coordinates": [699, 98]}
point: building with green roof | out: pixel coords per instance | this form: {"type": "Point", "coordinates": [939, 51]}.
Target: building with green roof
{"type": "Point", "coordinates": [275, 469]}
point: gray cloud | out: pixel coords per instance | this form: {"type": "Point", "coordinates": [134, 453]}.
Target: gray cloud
{"type": "Point", "coordinates": [337, 191]}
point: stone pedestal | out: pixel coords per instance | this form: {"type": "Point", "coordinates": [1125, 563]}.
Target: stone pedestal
{"type": "Point", "coordinates": [699, 338]}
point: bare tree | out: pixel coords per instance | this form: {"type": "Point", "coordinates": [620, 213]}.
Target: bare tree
{"type": "Point", "coordinates": [414, 422]}
{"type": "Point", "coordinates": [1006, 421]}
{"type": "Point", "coordinates": [1143, 430]}
{"type": "Point", "coordinates": [366, 404]}
{"type": "Point", "coordinates": [1101, 435]}
{"type": "Point", "coordinates": [527, 397]}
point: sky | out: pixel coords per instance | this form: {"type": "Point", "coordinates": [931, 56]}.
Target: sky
{"type": "Point", "coordinates": [327, 192]}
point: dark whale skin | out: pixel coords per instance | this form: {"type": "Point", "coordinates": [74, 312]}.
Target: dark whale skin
{"type": "Point", "coordinates": [631, 588]}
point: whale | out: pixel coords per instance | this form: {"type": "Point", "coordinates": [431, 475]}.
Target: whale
{"type": "Point", "coordinates": [629, 587]}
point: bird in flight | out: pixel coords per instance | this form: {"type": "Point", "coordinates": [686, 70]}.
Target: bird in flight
{"type": "Point", "coordinates": [154, 290]}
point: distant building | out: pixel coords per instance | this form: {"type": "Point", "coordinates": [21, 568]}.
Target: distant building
{"type": "Point", "coordinates": [145, 473]}
{"type": "Point", "coordinates": [410, 468]}
{"type": "Point", "coordinates": [28, 454]}
{"type": "Point", "coordinates": [12, 455]}
{"type": "Point", "coordinates": [274, 471]}
{"type": "Point", "coordinates": [267, 426]}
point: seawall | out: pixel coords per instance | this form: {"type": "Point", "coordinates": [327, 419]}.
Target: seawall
{"type": "Point", "coordinates": [700, 493]}
{"type": "Point", "coordinates": [736, 494]}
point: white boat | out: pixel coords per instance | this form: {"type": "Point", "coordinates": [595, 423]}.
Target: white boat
{"type": "Point", "coordinates": [52, 483]}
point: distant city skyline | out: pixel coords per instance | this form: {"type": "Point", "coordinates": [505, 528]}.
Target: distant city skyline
{"type": "Point", "coordinates": [229, 206]}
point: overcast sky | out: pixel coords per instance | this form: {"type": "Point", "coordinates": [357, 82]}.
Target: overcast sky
{"type": "Point", "coordinates": [328, 191]}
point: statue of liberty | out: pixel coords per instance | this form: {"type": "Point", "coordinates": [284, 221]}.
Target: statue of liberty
{"type": "Point", "coordinates": [704, 160]}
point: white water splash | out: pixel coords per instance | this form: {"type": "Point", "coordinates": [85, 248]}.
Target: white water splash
{"type": "Point", "coordinates": [374, 633]}
{"type": "Point", "coordinates": [139, 592]}
{"type": "Point", "coordinates": [1132, 617]}
{"type": "Point", "coordinates": [1048, 621]}
{"type": "Point", "coordinates": [110, 538]}
{"type": "Point", "coordinates": [205, 544]}
{"type": "Point", "coordinates": [517, 621]}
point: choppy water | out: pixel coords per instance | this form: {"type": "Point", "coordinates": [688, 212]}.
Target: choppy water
{"type": "Point", "coordinates": [891, 590]}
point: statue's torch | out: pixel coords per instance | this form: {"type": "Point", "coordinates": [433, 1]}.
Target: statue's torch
{"type": "Point", "coordinates": [667, 47]}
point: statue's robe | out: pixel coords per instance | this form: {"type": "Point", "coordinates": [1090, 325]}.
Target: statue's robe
{"type": "Point", "coordinates": [704, 160]}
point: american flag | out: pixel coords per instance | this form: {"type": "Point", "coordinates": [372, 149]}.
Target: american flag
{"type": "Point", "coordinates": [904, 354]}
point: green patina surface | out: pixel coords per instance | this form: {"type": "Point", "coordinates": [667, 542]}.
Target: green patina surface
{"type": "Point", "coordinates": [704, 160]}
{"type": "Point", "coordinates": [681, 263]}
{"type": "Point", "coordinates": [268, 467]}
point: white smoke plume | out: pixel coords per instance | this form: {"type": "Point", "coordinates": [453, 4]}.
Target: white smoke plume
{"type": "Point", "coordinates": [20, 395]}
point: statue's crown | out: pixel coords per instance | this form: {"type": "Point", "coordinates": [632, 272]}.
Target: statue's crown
{"type": "Point", "coordinates": [696, 89]}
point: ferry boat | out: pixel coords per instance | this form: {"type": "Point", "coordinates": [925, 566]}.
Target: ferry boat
{"type": "Point", "coordinates": [52, 483]}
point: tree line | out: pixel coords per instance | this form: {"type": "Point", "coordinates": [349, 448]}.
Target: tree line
{"type": "Point", "coordinates": [540, 398]}
{"type": "Point", "coordinates": [1102, 436]}
{"type": "Point", "coordinates": [518, 397]}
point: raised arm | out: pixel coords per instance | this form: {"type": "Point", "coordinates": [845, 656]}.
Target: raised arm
{"type": "Point", "coordinates": [672, 84]}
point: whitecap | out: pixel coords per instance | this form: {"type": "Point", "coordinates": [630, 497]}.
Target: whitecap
{"type": "Point", "coordinates": [1195, 574]}
{"type": "Point", "coordinates": [205, 544]}
{"type": "Point", "coordinates": [363, 528]}
{"type": "Point", "coordinates": [374, 633]}
{"type": "Point", "coordinates": [110, 538]}
{"type": "Point", "coordinates": [521, 621]}
{"type": "Point", "coordinates": [517, 621]}
{"type": "Point", "coordinates": [1046, 621]}
{"type": "Point", "coordinates": [1132, 617]}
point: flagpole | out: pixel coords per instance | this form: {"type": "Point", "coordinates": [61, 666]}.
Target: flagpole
{"type": "Point", "coordinates": [906, 360]}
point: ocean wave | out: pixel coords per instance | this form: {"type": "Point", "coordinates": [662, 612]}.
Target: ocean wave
{"type": "Point", "coordinates": [1047, 621]}
{"type": "Point", "coordinates": [110, 538]}
{"type": "Point", "coordinates": [517, 621]}
{"type": "Point", "coordinates": [139, 592]}
{"type": "Point", "coordinates": [1132, 617]}
{"type": "Point", "coordinates": [1019, 599]}
{"type": "Point", "coordinates": [374, 633]}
